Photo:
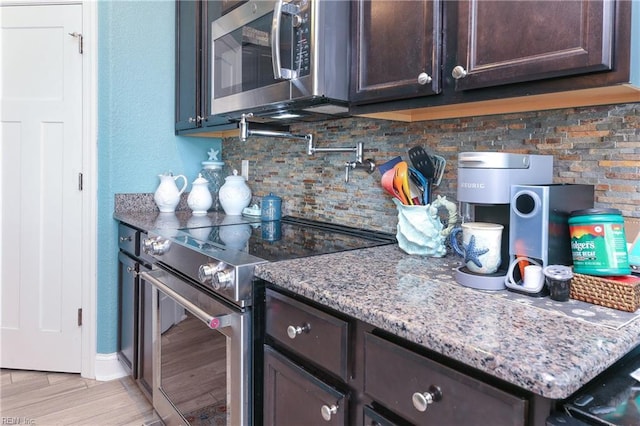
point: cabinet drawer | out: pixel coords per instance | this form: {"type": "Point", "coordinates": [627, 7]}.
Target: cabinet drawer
{"type": "Point", "coordinates": [317, 336]}
{"type": "Point", "coordinates": [128, 239]}
{"type": "Point", "coordinates": [372, 418]}
{"type": "Point", "coordinates": [394, 374]}
{"type": "Point", "coordinates": [293, 397]}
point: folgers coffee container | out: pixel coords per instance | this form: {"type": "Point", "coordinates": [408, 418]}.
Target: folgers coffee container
{"type": "Point", "coordinates": [271, 207]}
{"type": "Point", "coordinates": [598, 242]}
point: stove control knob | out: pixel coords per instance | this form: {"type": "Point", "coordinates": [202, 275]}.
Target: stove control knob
{"type": "Point", "coordinates": [223, 279]}
{"type": "Point", "coordinates": [156, 246]}
{"type": "Point", "coordinates": [205, 272]}
{"type": "Point", "coordinates": [147, 243]}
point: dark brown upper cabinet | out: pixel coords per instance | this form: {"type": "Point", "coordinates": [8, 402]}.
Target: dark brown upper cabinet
{"type": "Point", "coordinates": [396, 50]}
{"type": "Point", "coordinates": [193, 68]}
{"type": "Point", "coordinates": [511, 42]}
{"type": "Point", "coordinates": [572, 52]}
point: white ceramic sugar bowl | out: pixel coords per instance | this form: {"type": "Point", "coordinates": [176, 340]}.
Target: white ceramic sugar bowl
{"type": "Point", "coordinates": [199, 199]}
{"type": "Point", "coordinates": [235, 194]}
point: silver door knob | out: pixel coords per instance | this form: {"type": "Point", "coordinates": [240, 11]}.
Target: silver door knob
{"type": "Point", "coordinates": [459, 72]}
{"type": "Point", "coordinates": [327, 411]}
{"type": "Point", "coordinates": [126, 239]}
{"type": "Point", "coordinates": [294, 330]}
{"type": "Point", "coordinates": [421, 400]}
{"type": "Point", "coordinates": [424, 78]}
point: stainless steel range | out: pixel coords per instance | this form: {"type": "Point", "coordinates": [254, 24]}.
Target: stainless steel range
{"type": "Point", "coordinates": [203, 281]}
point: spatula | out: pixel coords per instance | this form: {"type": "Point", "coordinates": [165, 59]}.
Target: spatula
{"type": "Point", "coordinates": [422, 162]}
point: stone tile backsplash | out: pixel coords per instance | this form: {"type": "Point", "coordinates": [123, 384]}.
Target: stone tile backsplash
{"type": "Point", "coordinates": [593, 145]}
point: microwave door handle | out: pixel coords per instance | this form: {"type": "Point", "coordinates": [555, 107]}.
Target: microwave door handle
{"type": "Point", "coordinates": [213, 322]}
{"type": "Point", "coordinates": [275, 40]}
{"type": "Point", "coordinates": [280, 73]}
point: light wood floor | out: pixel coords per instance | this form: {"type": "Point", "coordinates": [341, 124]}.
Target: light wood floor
{"type": "Point", "coordinates": [44, 399]}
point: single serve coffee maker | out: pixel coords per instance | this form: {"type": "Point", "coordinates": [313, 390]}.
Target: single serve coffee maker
{"type": "Point", "coordinates": [484, 195]}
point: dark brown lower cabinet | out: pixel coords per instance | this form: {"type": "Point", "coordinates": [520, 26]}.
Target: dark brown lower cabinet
{"type": "Point", "coordinates": [294, 397]}
{"type": "Point", "coordinates": [428, 393]}
{"type": "Point", "coordinates": [322, 367]}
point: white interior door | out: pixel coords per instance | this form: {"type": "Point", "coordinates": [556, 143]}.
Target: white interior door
{"type": "Point", "coordinates": [41, 201]}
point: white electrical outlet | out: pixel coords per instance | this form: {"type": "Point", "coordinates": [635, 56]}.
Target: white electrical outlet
{"type": "Point", "coordinates": [245, 169]}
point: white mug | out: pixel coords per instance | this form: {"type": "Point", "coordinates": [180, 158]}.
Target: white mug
{"type": "Point", "coordinates": [481, 246]}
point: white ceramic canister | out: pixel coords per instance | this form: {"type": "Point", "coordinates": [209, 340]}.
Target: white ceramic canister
{"type": "Point", "coordinates": [235, 194]}
{"type": "Point", "coordinates": [199, 199]}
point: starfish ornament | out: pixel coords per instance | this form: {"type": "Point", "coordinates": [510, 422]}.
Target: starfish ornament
{"type": "Point", "coordinates": [213, 155]}
{"type": "Point", "coordinates": [472, 253]}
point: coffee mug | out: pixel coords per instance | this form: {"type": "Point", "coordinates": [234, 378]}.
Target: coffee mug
{"type": "Point", "coordinates": [481, 246]}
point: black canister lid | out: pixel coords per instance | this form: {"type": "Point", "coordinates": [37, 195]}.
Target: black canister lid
{"type": "Point", "coordinates": [588, 212]}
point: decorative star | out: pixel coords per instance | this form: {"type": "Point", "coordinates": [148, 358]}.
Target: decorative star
{"type": "Point", "coordinates": [472, 253]}
{"type": "Point", "coordinates": [213, 155]}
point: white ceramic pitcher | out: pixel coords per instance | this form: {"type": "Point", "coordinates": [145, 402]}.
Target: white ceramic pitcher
{"type": "Point", "coordinates": [167, 196]}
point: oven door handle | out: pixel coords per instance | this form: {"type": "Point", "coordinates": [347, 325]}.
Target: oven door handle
{"type": "Point", "coordinates": [213, 322]}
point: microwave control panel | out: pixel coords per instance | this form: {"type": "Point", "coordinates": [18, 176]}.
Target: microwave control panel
{"type": "Point", "coordinates": [302, 49]}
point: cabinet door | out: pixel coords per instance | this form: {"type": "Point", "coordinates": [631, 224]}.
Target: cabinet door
{"type": "Point", "coordinates": [313, 334]}
{"type": "Point", "coordinates": [127, 313]}
{"type": "Point", "coordinates": [502, 42]}
{"type": "Point", "coordinates": [396, 49]}
{"type": "Point", "coordinates": [187, 64]}
{"type": "Point", "coordinates": [294, 397]}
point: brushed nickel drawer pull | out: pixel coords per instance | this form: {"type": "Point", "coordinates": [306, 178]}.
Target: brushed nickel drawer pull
{"type": "Point", "coordinates": [328, 411]}
{"type": "Point", "coordinates": [422, 400]}
{"type": "Point", "coordinates": [293, 330]}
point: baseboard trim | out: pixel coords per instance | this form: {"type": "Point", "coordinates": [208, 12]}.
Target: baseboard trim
{"type": "Point", "coordinates": [108, 367]}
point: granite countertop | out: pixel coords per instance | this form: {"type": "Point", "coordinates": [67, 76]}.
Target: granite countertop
{"type": "Point", "coordinates": [156, 221]}
{"type": "Point", "coordinates": [417, 298]}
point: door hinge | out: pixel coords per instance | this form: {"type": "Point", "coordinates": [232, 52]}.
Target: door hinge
{"type": "Point", "coordinates": [79, 317]}
{"type": "Point", "coordinates": [80, 41]}
{"type": "Point", "coordinates": [80, 183]}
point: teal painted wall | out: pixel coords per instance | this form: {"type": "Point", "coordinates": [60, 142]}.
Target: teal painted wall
{"type": "Point", "coordinates": [136, 140]}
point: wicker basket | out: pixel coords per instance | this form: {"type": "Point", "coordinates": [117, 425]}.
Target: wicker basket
{"type": "Point", "coordinates": [622, 294]}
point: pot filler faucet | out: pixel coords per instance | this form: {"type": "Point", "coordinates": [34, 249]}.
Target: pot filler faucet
{"type": "Point", "coordinates": [368, 165]}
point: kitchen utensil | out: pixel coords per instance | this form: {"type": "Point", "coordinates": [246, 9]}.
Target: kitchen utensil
{"type": "Point", "coordinates": [387, 183]}
{"type": "Point", "coordinates": [389, 165]}
{"type": "Point", "coordinates": [439, 164]}
{"type": "Point", "coordinates": [421, 182]}
{"type": "Point", "coordinates": [421, 160]}
{"type": "Point", "coordinates": [415, 192]}
{"type": "Point", "coordinates": [400, 182]}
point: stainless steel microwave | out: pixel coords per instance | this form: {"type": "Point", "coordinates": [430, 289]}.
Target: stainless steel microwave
{"type": "Point", "coordinates": [278, 59]}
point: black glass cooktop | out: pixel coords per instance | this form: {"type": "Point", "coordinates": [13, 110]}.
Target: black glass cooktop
{"type": "Point", "coordinates": [289, 238]}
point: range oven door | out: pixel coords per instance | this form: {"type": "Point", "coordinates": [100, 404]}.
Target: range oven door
{"type": "Point", "coordinates": [202, 355]}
